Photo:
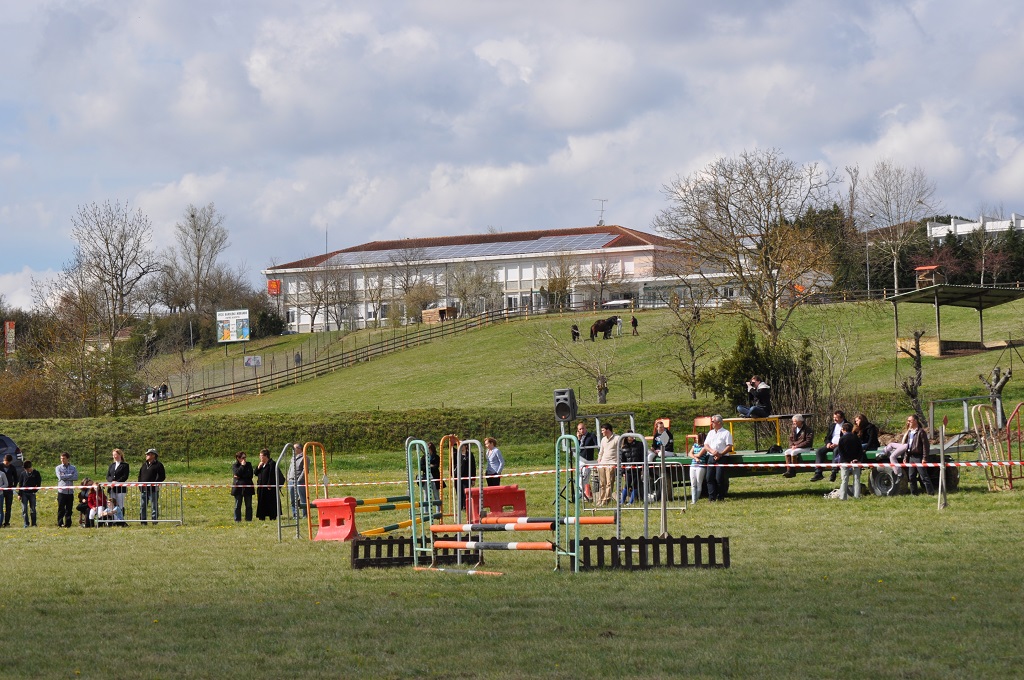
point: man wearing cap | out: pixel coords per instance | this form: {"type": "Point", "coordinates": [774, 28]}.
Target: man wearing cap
{"type": "Point", "coordinates": [151, 471]}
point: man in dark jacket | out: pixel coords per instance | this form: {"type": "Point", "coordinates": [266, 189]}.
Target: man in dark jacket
{"type": "Point", "coordinates": [151, 471]}
{"type": "Point", "coordinates": [832, 435]}
{"type": "Point", "coordinates": [849, 451]}
{"type": "Point", "coordinates": [11, 473]}
{"type": "Point", "coordinates": [28, 485]}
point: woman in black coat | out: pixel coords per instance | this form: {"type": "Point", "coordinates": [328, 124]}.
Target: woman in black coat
{"type": "Point", "coordinates": [241, 486]}
{"type": "Point", "coordinates": [867, 432]}
{"type": "Point", "coordinates": [266, 493]}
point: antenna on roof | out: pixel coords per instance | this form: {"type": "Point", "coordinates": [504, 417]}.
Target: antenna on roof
{"type": "Point", "coordinates": [600, 220]}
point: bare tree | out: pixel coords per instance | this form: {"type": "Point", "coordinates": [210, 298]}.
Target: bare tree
{"type": "Point", "coordinates": [340, 296]}
{"type": "Point", "coordinates": [473, 286]}
{"type": "Point", "coordinates": [688, 340]}
{"type": "Point", "coordinates": [563, 275]}
{"type": "Point", "coordinates": [603, 275]}
{"type": "Point", "coordinates": [595, 360]}
{"type": "Point", "coordinates": [375, 291]}
{"type": "Point", "coordinates": [737, 221]}
{"type": "Point", "coordinates": [113, 252]}
{"type": "Point", "coordinates": [893, 200]}
{"type": "Point", "coordinates": [201, 238]}
{"type": "Point", "coordinates": [311, 297]}
{"type": "Point", "coordinates": [419, 297]}
{"type": "Point", "coordinates": [995, 384]}
{"type": "Point", "coordinates": [911, 385]}
{"type": "Point", "coordinates": [404, 269]}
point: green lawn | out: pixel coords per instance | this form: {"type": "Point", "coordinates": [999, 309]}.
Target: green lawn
{"type": "Point", "coordinates": [874, 588]}
{"type": "Point", "coordinates": [502, 364]}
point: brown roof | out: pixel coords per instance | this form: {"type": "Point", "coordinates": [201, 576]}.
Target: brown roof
{"type": "Point", "coordinates": [624, 237]}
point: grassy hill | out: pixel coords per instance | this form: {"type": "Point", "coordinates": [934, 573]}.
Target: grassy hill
{"type": "Point", "coordinates": [503, 365]}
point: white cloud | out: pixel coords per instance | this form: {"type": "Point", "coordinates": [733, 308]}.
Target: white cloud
{"type": "Point", "coordinates": [377, 120]}
{"type": "Point", "coordinates": [16, 287]}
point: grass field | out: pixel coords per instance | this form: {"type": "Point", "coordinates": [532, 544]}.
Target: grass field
{"type": "Point", "coordinates": [874, 588]}
{"type": "Point", "coordinates": [499, 366]}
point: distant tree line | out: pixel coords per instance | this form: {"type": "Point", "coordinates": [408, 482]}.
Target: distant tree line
{"type": "Point", "coordinates": [114, 305]}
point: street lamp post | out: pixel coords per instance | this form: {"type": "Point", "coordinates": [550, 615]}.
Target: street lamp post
{"type": "Point", "coordinates": [867, 256]}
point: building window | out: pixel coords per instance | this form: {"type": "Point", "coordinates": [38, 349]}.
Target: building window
{"type": "Point", "coordinates": [291, 316]}
{"type": "Point", "coordinates": [627, 266]}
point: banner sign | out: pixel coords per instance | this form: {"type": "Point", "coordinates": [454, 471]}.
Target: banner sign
{"type": "Point", "coordinates": [254, 361]}
{"type": "Point", "coordinates": [9, 338]}
{"type": "Point", "coordinates": [233, 325]}
{"type": "Point", "coordinates": [273, 287]}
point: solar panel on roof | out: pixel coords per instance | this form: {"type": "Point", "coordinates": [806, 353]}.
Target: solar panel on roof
{"type": "Point", "coordinates": [543, 244]}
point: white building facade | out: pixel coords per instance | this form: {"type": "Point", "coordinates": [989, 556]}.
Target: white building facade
{"type": "Point", "coordinates": [369, 284]}
{"type": "Point", "coordinates": [958, 227]}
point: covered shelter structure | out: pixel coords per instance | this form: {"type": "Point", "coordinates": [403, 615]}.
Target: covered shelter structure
{"type": "Point", "coordinates": [947, 295]}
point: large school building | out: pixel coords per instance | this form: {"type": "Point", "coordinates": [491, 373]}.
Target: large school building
{"type": "Point", "coordinates": [586, 267]}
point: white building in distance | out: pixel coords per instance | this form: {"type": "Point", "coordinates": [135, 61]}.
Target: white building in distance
{"type": "Point", "coordinates": [958, 227]}
{"type": "Point", "coordinates": [384, 281]}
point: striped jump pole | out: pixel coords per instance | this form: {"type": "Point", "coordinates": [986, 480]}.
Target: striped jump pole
{"type": "Point", "coordinates": [393, 527]}
{"type": "Point", "coordinates": [381, 501]}
{"type": "Point", "coordinates": [605, 519]}
{"type": "Point", "coordinates": [389, 506]}
{"type": "Point", "coordinates": [467, 528]}
{"type": "Point", "coordinates": [486, 545]}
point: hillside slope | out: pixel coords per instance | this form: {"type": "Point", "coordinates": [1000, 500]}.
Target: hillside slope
{"type": "Point", "coordinates": [504, 365]}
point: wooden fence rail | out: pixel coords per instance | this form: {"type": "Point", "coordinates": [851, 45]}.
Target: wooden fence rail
{"type": "Point", "coordinates": [648, 553]}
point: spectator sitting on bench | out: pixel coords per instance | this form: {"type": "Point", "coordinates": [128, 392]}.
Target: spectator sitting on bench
{"type": "Point", "coordinates": [832, 435]}
{"type": "Point", "coordinates": [801, 440]}
{"type": "Point", "coordinates": [759, 394]}
{"type": "Point", "coordinates": [867, 432]}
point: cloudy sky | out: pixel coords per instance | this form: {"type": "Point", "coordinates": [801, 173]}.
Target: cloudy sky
{"type": "Point", "coordinates": [378, 120]}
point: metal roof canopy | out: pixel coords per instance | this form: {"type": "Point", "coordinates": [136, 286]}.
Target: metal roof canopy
{"type": "Point", "coordinates": [973, 297]}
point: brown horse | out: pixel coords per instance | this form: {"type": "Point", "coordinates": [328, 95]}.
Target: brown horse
{"type": "Point", "coordinates": [605, 326]}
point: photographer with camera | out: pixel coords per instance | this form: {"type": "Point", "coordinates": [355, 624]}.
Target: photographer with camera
{"type": "Point", "coordinates": [759, 394]}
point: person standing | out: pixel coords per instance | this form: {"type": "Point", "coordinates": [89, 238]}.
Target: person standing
{"type": "Point", "coordinates": [11, 474]}
{"type": "Point", "coordinates": [718, 444]}
{"type": "Point", "coordinates": [607, 460]}
{"type": "Point", "coordinates": [430, 465]}
{"type": "Point", "coordinates": [587, 453]}
{"type": "Point", "coordinates": [241, 486]}
{"type": "Point", "coordinates": [297, 480]}
{"type": "Point", "coordinates": [465, 471]}
{"type": "Point", "coordinates": [268, 480]}
{"type": "Point", "coordinates": [29, 484]}
{"type": "Point", "coordinates": [699, 458]}
{"type": "Point", "coordinates": [634, 323]}
{"type": "Point", "coordinates": [850, 455]}
{"type": "Point", "coordinates": [67, 475]}
{"type": "Point", "coordinates": [495, 462]}
{"type": "Point", "coordinates": [150, 474]}
{"type": "Point", "coordinates": [4, 484]}
{"type": "Point", "coordinates": [118, 472]}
